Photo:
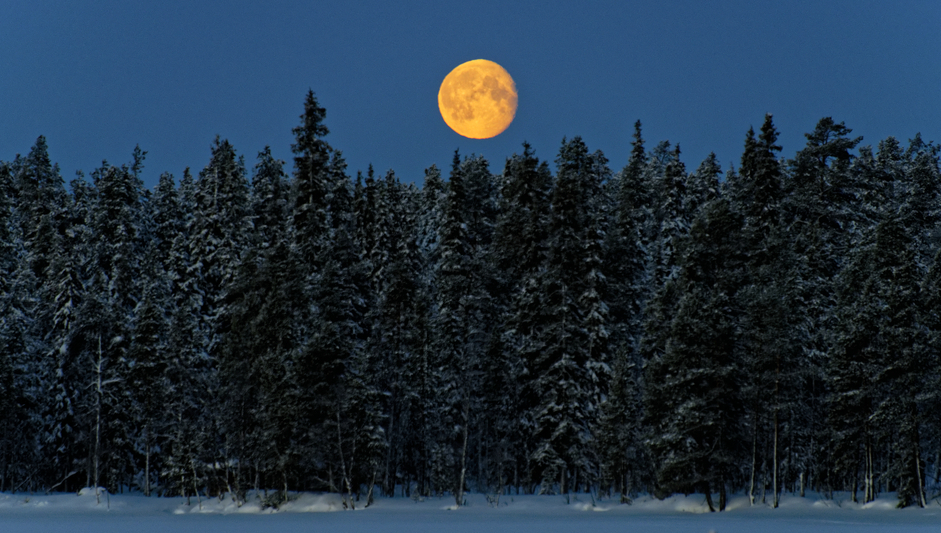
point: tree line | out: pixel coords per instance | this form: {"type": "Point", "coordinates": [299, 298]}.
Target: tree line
{"type": "Point", "coordinates": [768, 329]}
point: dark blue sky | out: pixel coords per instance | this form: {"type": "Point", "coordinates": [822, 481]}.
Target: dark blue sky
{"type": "Point", "coordinates": [96, 78]}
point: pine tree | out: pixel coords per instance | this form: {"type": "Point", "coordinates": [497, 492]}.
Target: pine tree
{"type": "Point", "coordinates": [451, 328]}
{"type": "Point", "coordinates": [216, 238]}
{"type": "Point", "coordinates": [112, 294]}
{"type": "Point", "coordinates": [571, 369]}
{"type": "Point", "coordinates": [667, 226]}
{"type": "Point", "coordinates": [311, 159]}
{"type": "Point", "coordinates": [270, 200]}
{"type": "Point", "coordinates": [146, 375]}
{"type": "Point", "coordinates": [520, 248]}
{"type": "Point", "coordinates": [693, 399]}
{"type": "Point", "coordinates": [155, 344]}
{"type": "Point", "coordinates": [702, 186]}
{"type": "Point", "coordinates": [219, 229]}
{"type": "Point", "coordinates": [769, 350]}
{"type": "Point", "coordinates": [905, 333]}
{"type": "Point", "coordinates": [620, 440]}
{"type": "Point", "coordinates": [342, 302]}
{"type": "Point", "coordinates": [19, 404]}
{"type": "Point", "coordinates": [41, 199]}
{"type": "Point", "coordinates": [635, 179]}
{"type": "Point", "coordinates": [41, 220]}
{"type": "Point", "coordinates": [877, 289]}
{"type": "Point", "coordinates": [188, 372]}
{"type": "Point", "coordinates": [822, 208]}
{"type": "Point", "coordinates": [262, 395]}
{"type": "Point", "coordinates": [462, 326]}
{"type": "Point", "coordinates": [929, 305]}
{"type": "Point", "coordinates": [397, 322]}
{"type": "Point", "coordinates": [65, 377]}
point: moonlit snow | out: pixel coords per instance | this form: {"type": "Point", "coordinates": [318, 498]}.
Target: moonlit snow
{"type": "Point", "coordinates": [515, 514]}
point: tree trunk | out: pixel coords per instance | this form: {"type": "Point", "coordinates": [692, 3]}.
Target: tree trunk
{"type": "Point", "coordinates": [774, 460]}
{"type": "Point", "coordinates": [921, 482]}
{"type": "Point", "coordinates": [723, 496]}
{"type": "Point", "coordinates": [199, 498]}
{"type": "Point", "coordinates": [388, 484]}
{"type": "Point", "coordinates": [372, 484]}
{"type": "Point", "coordinates": [856, 478]}
{"type": "Point", "coordinates": [870, 489]}
{"type": "Point", "coordinates": [147, 461]}
{"type": "Point", "coordinates": [708, 491]}
{"type": "Point", "coordinates": [916, 454]}
{"type": "Point", "coordinates": [774, 475]}
{"type": "Point", "coordinates": [98, 363]}
{"type": "Point", "coordinates": [937, 466]}
{"type": "Point", "coordinates": [754, 459]}
{"type": "Point", "coordinates": [346, 475]}
{"type": "Point", "coordinates": [480, 453]}
{"type": "Point", "coordinates": [459, 493]}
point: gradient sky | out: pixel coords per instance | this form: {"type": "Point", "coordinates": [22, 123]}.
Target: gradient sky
{"type": "Point", "coordinates": [96, 78]}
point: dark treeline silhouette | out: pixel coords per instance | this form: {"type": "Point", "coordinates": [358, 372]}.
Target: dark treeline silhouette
{"type": "Point", "coordinates": [773, 329]}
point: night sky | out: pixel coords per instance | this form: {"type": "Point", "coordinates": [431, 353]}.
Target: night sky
{"type": "Point", "coordinates": [96, 78]}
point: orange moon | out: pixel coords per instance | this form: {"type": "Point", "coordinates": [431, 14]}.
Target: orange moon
{"type": "Point", "coordinates": [478, 99]}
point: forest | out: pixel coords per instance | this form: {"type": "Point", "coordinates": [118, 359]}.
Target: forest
{"type": "Point", "coordinates": [263, 329]}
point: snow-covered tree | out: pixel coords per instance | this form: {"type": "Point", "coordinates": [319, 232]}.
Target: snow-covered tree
{"type": "Point", "coordinates": [770, 353]}
{"type": "Point", "coordinates": [823, 210]}
{"type": "Point", "coordinates": [693, 396]}
{"type": "Point", "coordinates": [520, 248]}
{"type": "Point", "coordinates": [570, 372]}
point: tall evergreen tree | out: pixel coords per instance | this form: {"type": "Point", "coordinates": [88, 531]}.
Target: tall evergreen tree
{"type": "Point", "coordinates": [520, 251]}
{"type": "Point", "coordinates": [768, 348]}
{"type": "Point", "coordinates": [217, 238]}
{"type": "Point", "coordinates": [311, 181]}
{"type": "Point", "coordinates": [396, 358]}
{"type": "Point", "coordinates": [620, 441]}
{"type": "Point", "coordinates": [360, 438]}
{"type": "Point", "coordinates": [693, 396]}
{"type": "Point", "coordinates": [64, 437]}
{"type": "Point", "coordinates": [262, 397]}
{"type": "Point", "coordinates": [822, 209]}
{"type": "Point", "coordinates": [875, 394]}
{"type": "Point", "coordinates": [462, 325]}
{"type": "Point", "coordinates": [113, 292]}
{"type": "Point", "coordinates": [19, 396]}
{"type": "Point", "coordinates": [571, 371]}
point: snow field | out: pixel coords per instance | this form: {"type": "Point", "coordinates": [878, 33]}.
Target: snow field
{"type": "Point", "coordinates": [515, 514]}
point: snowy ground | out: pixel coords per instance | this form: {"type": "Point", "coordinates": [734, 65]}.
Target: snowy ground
{"type": "Point", "coordinates": [516, 514]}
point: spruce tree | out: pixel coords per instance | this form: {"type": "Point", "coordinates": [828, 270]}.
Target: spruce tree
{"type": "Point", "coordinates": [520, 247]}
{"type": "Point", "coordinates": [693, 398]}
{"type": "Point", "coordinates": [622, 452]}
{"type": "Point", "coordinates": [19, 395]}
{"type": "Point", "coordinates": [146, 376]}
{"type": "Point", "coordinates": [350, 393]}
{"type": "Point", "coordinates": [823, 206]}
{"type": "Point", "coordinates": [217, 237]}
{"type": "Point", "coordinates": [768, 348]}
{"type": "Point", "coordinates": [256, 355]}
{"type": "Point", "coordinates": [462, 326]}
{"type": "Point", "coordinates": [113, 292]}
{"type": "Point", "coordinates": [311, 161]}
{"type": "Point", "coordinates": [570, 371]}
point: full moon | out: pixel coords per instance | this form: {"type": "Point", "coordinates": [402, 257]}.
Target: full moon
{"type": "Point", "coordinates": [478, 99]}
